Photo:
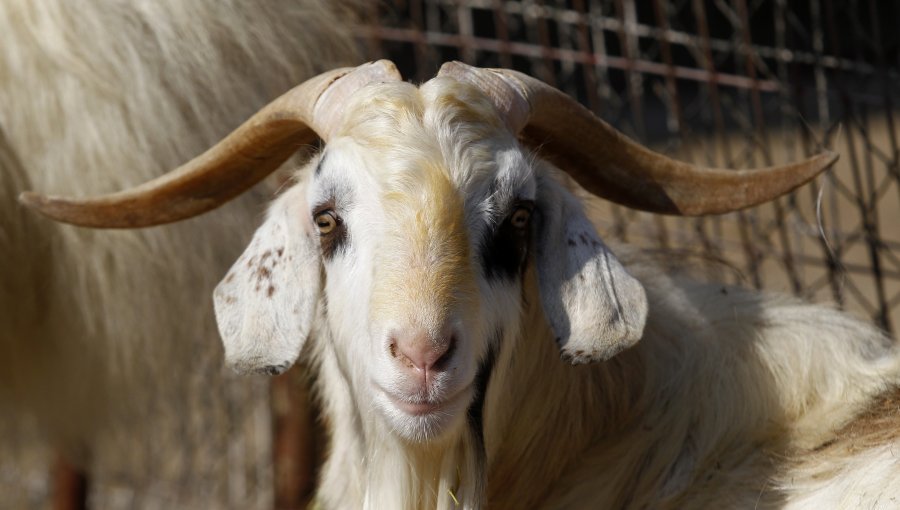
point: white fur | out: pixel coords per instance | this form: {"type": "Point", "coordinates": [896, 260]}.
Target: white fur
{"type": "Point", "coordinates": [259, 337]}
{"type": "Point", "coordinates": [107, 334]}
{"type": "Point", "coordinates": [731, 398]}
{"type": "Point", "coordinates": [612, 310]}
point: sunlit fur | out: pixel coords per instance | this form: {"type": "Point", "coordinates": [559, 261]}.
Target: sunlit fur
{"type": "Point", "coordinates": [732, 399]}
{"type": "Point", "coordinates": [96, 96]}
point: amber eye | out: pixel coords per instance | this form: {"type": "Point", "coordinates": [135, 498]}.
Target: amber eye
{"type": "Point", "coordinates": [520, 217]}
{"type": "Point", "coordinates": [326, 221]}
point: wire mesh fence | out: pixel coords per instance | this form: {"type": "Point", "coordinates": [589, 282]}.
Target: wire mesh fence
{"type": "Point", "coordinates": [737, 83]}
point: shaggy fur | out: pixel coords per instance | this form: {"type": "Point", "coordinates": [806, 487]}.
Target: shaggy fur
{"type": "Point", "coordinates": [718, 406]}
{"type": "Point", "coordinates": [731, 398]}
{"type": "Point", "coordinates": [97, 96]}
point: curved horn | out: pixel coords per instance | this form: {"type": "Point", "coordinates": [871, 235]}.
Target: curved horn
{"type": "Point", "coordinates": [612, 166]}
{"type": "Point", "coordinates": [243, 158]}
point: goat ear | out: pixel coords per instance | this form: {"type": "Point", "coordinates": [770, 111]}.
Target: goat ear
{"type": "Point", "coordinates": [595, 308]}
{"type": "Point", "coordinates": [266, 303]}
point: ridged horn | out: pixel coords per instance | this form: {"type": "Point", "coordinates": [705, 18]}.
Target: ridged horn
{"type": "Point", "coordinates": [612, 166]}
{"type": "Point", "coordinates": [246, 156]}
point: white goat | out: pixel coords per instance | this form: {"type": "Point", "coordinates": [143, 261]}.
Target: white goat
{"type": "Point", "coordinates": [104, 94]}
{"type": "Point", "coordinates": [433, 271]}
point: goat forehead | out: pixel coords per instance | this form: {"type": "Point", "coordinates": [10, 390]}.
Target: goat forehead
{"type": "Point", "coordinates": [431, 150]}
{"type": "Point", "coordinates": [423, 270]}
{"type": "Point", "coordinates": [432, 157]}
{"type": "Point", "coordinates": [443, 125]}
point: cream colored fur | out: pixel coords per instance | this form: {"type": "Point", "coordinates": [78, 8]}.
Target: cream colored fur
{"type": "Point", "coordinates": [731, 398]}
{"type": "Point", "coordinates": [718, 406]}
{"type": "Point", "coordinates": [722, 404]}
{"type": "Point", "coordinates": [96, 96]}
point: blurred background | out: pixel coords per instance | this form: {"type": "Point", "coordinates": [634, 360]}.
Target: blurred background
{"type": "Point", "coordinates": [730, 83]}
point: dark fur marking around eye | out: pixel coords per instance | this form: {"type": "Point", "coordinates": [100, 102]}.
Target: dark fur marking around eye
{"type": "Point", "coordinates": [319, 164]}
{"type": "Point", "coordinates": [505, 249]}
{"type": "Point", "coordinates": [335, 240]}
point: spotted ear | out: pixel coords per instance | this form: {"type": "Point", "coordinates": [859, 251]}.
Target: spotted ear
{"type": "Point", "coordinates": [595, 308]}
{"type": "Point", "coordinates": [266, 303]}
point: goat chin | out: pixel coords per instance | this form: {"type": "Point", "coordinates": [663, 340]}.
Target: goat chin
{"type": "Point", "coordinates": [732, 398]}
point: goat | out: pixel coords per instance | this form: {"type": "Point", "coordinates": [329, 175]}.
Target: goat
{"type": "Point", "coordinates": [478, 344]}
{"type": "Point", "coordinates": [106, 94]}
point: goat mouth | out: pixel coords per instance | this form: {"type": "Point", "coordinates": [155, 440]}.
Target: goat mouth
{"type": "Point", "coordinates": [426, 407]}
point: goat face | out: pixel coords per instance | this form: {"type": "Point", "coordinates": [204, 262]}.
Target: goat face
{"type": "Point", "coordinates": [405, 249]}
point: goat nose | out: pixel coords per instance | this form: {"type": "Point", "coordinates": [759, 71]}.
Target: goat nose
{"type": "Point", "coordinates": [421, 352]}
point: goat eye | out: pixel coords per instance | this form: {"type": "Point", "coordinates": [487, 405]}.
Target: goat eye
{"type": "Point", "coordinates": [520, 217]}
{"type": "Point", "coordinates": [326, 221]}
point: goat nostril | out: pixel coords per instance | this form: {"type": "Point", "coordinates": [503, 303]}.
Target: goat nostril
{"type": "Point", "coordinates": [422, 353]}
{"type": "Point", "coordinates": [442, 360]}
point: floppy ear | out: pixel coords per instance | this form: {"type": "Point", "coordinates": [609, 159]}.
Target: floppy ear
{"type": "Point", "coordinates": [267, 301]}
{"type": "Point", "coordinates": [596, 309]}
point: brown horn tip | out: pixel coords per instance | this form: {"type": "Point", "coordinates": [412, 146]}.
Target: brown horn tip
{"type": "Point", "coordinates": [53, 207]}
{"type": "Point", "coordinates": [246, 156]}
{"type": "Point", "coordinates": [718, 191]}
{"type": "Point", "coordinates": [610, 165]}
{"type": "Point", "coordinates": [63, 210]}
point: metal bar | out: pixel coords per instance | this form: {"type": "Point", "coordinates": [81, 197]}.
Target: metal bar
{"type": "Point", "coordinates": [420, 46]}
{"type": "Point", "coordinates": [662, 18]}
{"type": "Point", "coordinates": [893, 167]}
{"type": "Point", "coordinates": [373, 41]}
{"type": "Point", "coordinates": [502, 25]}
{"type": "Point", "coordinates": [870, 220]}
{"type": "Point", "coordinates": [293, 440]}
{"type": "Point", "coordinates": [466, 32]}
{"type": "Point", "coordinates": [873, 237]}
{"type": "Point", "coordinates": [544, 41]}
{"type": "Point", "coordinates": [676, 37]}
{"type": "Point", "coordinates": [70, 485]}
{"type": "Point", "coordinates": [536, 51]}
{"type": "Point", "coordinates": [605, 91]}
{"type": "Point", "coordinates": [762, 135]}
{"type": "Point", "coordinates": [584, 45]}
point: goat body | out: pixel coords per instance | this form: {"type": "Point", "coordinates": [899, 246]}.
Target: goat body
{"type": "Point", "coordinates": [732, 399]}
{"type": "Point", "coordinates": [729, 399]}
{"type": "Point", "coordinates": [478, 344]}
